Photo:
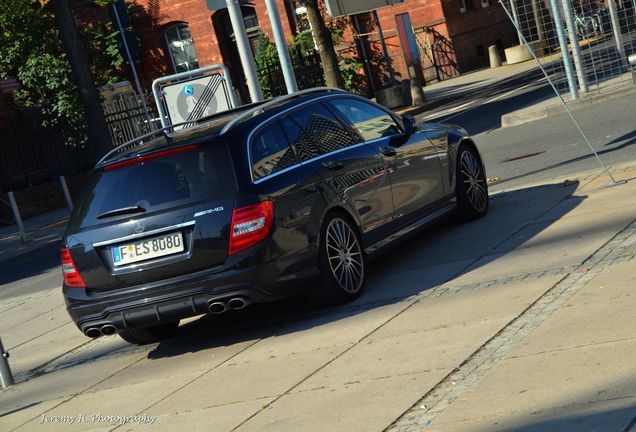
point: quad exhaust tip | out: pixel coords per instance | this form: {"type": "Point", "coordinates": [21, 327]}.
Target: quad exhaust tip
{"type": "Point", "coordinates": [93, 332]}
{"type": "Point", "coordinates": [104, 330]}
{"type": "Point", "coordinates": [217, 307]}
{"type": "Point", "coordinates": [108, 329]}
{"type": "Point", "coordinates": [237, 303]}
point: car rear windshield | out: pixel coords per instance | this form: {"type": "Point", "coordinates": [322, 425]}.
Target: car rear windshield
{"type": "Point", "coordinates": [155, 184]}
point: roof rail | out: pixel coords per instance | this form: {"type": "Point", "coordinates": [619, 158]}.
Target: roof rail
{"type": "Point", "coordinates": [260, 108]}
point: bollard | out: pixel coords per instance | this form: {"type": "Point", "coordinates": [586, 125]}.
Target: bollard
{"type": "Point", "coordinates": [67, 195]}
{"type": "Point", "coordinates": [18, 219]}
{"type": "Point", "coordinates": [495, 59]}
{"type": "Point", "coordinates": [6, 378]}
{"type": "Point", "coordinates": [632, 64]}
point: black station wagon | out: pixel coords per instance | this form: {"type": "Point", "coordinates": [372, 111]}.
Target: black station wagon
{"type": "Point", "coordinates": [256, 204]}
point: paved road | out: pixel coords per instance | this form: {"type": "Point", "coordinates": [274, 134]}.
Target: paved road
{"type": "Point", "coordinates": [554, 146]}
{"type": "Point", "coordinates": [543, 148]}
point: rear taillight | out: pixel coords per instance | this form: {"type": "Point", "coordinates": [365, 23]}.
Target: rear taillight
{"type": "Point", "coordinates": [72, 277]}
{"type": "Point", "coordinates": [141, 159]}
{"type": "Point", "coordinates": [250, 225]}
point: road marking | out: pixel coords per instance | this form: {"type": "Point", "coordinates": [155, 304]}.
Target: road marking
{"type": "Point", "coordinates": [493, 99]}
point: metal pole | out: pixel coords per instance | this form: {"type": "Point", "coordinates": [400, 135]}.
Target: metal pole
{"type": "Point", "coordinates": [385, 51]}
{"type": "Point", "coordinates": [281, 47]}
{"type": "Point", "coordinates": [515, 16]}
{"type": "Point", "coordinates": [563, 43]}
{"type": "Point", "coordinates": [133, 69]}
{"type": "Point", "coordinates": [538, 19]}
{"type": "Point", "coordinates": [616, 29]}
{"type": "Point", "coordinates": [576, 50]}
{"type": "Point", "coordinates": [67, 195]}
{"type": "Point", "coordinates": [245, 52]}
{"type": "Point", "coordinates": [16, 215]}
{"type": "Point", "coordinates": [6, 378]}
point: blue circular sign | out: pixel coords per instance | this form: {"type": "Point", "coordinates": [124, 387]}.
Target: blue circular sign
{"type": "Point", "coordinates": [188, 90]}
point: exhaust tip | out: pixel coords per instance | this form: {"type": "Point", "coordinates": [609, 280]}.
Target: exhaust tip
{"type": "Point", "coordinates": [93, 332]}
{"type": "Point", "coordinates": [217, 307]}
{"type": "Point", "coordinates": [237, 303]}
{"type": "Point", "coordinates": [108, 330]}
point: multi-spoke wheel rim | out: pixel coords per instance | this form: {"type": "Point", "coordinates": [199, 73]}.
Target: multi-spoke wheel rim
{"type": "Point", "coordinates": [474, 181]}
{"type": "Point", "coordinates": [344, 255]}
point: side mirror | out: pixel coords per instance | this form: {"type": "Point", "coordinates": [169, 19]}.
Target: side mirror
{"type": "Point", "coordinates": [410, 124]}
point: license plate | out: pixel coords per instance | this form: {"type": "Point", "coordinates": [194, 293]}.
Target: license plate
{"type": "Point", "coordinates": [148, 249]}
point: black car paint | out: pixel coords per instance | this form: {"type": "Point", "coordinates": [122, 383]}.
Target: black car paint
{"type": "Point", "coordinates": [150, 292]}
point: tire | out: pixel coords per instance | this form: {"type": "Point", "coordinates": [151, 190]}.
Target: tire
{"type": "Point", "coordinates": [471, 186]}
{"type": "Point", "coordinates": [146, 335]}
{"type": "Point", "coordinates": [342, 263]}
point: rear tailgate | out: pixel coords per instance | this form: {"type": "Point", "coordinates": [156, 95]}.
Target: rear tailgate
{"type": "Point", "coordinates": [152, 220]}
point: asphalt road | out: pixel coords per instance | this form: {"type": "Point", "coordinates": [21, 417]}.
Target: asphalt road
{"type": "Point", "coordinates": [544, 148]}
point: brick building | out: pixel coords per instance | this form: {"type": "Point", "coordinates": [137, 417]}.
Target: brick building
{"type": "Point", "coordinates": [179, 35]}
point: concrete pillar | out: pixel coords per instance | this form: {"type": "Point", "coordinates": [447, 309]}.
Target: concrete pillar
{"type": "Point", "coordinates": [493, 54]}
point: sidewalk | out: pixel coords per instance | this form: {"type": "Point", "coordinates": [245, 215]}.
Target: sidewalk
{"type": "Point", "coordinates": [519, 321]}
{"type": "Point", "coordinates": [604, 91]}
{"type": "Point", "coordinates": [43, 231]}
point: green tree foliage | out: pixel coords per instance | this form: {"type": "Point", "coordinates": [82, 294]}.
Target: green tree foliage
{"type": "Point", "coordinates": [301, 45]}
{"type": "Point", "coordinates": [31, 52]}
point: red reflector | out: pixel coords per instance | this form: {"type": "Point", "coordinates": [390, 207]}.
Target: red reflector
{"type": "Point", "coordinates": [150, 156]}
{"type": "Point", "coordinates": [250, 225]}
{"type": "Point", "coordinates": [72, 277]}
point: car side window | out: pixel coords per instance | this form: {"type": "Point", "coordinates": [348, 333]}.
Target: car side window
{"type": "Point", "coordinates": [314, 131]}
{"type": "Point", "coordinates": [369, 120]}
{"type": "Point", "coordinates": [270, 152]}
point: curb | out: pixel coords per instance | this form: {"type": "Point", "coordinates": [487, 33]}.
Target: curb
{"type": "Point", "coordinates": [527, 115]}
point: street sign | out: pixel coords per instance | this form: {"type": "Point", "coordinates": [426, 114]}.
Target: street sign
{"type": "Point", "coordinates": [189, 96]}
{"type": "Point", "coordinates": [336, 8]}
{"type": "Point", "coordinates": [197, 98]}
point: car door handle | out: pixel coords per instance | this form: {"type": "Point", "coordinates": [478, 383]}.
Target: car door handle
{"type": "Point", "coordinates": [333, 165]}
{"type": "Point", "coordinates": [388, 151]}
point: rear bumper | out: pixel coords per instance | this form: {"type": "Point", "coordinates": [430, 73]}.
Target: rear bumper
{"type": "Point", "coordinates": [180, 297]}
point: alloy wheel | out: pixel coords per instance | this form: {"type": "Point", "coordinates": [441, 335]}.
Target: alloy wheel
{"type": "Point", "coordinates": [344, 255]}
{"type": "Point", "coordinates": [474, 181]}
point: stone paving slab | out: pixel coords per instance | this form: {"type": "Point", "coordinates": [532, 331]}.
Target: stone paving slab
{"type": "Point", "coordinates": [518, 387]}
{"type": "Point", "coordinates": [358, 406]}
{"type": "Point", "coordinates": [222, 418]}
{"type": "Point", "coordinates": [574, 372]}
{"type": "Point", "coordinates": [121, 402]}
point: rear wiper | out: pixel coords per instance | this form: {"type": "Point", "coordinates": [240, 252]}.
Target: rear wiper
{"type": "Point", "coordinates": [122, 211]}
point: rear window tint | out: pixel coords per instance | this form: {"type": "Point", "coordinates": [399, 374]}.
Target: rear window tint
{"type": "Point", "coordinates": [158, 183]}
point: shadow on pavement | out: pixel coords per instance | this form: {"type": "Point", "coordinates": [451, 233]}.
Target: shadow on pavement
{"type": "Point", "coordinates": [514, 102]}
{"type": "Point", "coordinates": [608, 408]}
{"type": "Point", "coordinates": [440, 254]}
{"type": "Point", "coordinates": [34, 264]}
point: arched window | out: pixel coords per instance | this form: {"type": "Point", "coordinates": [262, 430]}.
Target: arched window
{"type": "Point", "coordinates": [181, 48]}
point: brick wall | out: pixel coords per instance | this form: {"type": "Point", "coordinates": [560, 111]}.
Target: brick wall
{"type": "Point", "coordinates": [479, 26]}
